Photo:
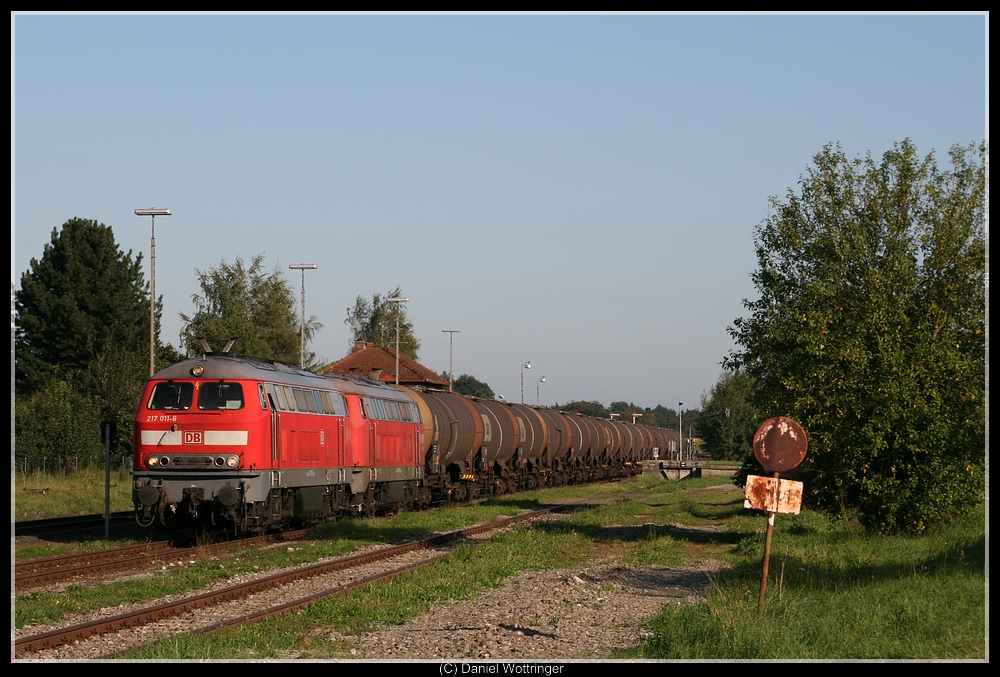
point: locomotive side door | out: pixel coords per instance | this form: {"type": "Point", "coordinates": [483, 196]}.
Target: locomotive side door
{"type": "Point", "coordinates": [275, 434]}
{"type": "Point", "coordinates": [278, 403]}
{"type": "Point", "coordinates": [368, 416]}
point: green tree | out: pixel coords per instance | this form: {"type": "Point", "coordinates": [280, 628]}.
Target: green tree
{"type": "Point", "coordinates": [660, 416]}
{"type": "Point", "coordinates": [117, 377]}
{"type": "Point", "coordinates": [57, 425]}
{"type": "Point", "coordinates": [374, 321]}
{"type": "Point", "coordinates": [83, 297]}
{"type": "Point", "coordinates": [729, 420]}
{"type": "Point", "coordinates": [256, 308]}
{"type": "Point", "coordinates": [625, 410]}
{"type": "Point", "coordinates": [473, 387]}
{"type": "Point", "coordinates": [593, 408]}
{"type": "Point", "coordinates": [870, 332]}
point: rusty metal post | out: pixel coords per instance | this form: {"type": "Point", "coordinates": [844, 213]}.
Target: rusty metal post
{"type": "Point", "coordinates": [767, 547]}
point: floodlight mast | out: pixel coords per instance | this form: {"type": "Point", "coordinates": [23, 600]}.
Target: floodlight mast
{"type": "Point", "coordinates": [152, 212]}
{"type": "Point", "coordinates": [451, 368]}
{"type": "Point", "coordinates": [302, 326]}
{"type": "Point", "coordinates": [680, 430]}
{"type": "Point", "coordinates": [397, 299]}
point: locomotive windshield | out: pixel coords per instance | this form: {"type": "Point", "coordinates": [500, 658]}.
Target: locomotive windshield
{"type": "Point", "coordinates": [220, 395]}
{"type": "Point", "coordinates": [171, 395]}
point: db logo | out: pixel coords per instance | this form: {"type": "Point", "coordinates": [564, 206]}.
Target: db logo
{"type": "Point", "coordinates": [194, 437]}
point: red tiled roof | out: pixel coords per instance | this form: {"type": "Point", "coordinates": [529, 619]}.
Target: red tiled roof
{"type": "Point", "coordinates": [380, 364]}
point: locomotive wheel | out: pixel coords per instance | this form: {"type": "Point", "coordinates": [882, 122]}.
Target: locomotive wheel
{"type": "Point", "coordinates": [424, 497]}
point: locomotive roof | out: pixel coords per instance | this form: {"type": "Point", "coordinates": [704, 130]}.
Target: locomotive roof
{"type": "Point", "coordinates": [364, 386]}
{"type": "Point", "coordinates": [226, 366]}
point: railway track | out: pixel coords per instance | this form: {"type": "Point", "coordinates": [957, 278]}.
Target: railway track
{"type": "Point", "coordinates": [238, 603]}
{"type": "Point", "coordinates": [35, 573]}
{"type": "Point", "coordinates": [73, 523]}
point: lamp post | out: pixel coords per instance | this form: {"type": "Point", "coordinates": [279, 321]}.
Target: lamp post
{"type": "Point", "coordinates": [526, 365]}
{"type": "Point", "coordinates": [538, 389]}
{"type": "Point", "coordinates": [680, 431]}
{"type": "Point", "coordinates": [302, 326]}
{"type": "Point", "coordinates": [397, 299]}
{"type": "Point", "coordinates": [451, 346]}
{"type": "Point", "coordinates": [152, 212]}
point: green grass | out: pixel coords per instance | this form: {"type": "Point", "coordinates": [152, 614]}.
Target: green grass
{"type": "Point", "coordinates": [834, 594]}
{"type": "Point", "coordinates": [79, 493]}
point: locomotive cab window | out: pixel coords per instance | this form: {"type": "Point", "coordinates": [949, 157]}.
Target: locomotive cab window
{"type": "Point", "coordinates": [171, 395]}
{"type": "Point", "coordinates": [220, 395]}
{"type": "Point", "coordinates": [277, 396]}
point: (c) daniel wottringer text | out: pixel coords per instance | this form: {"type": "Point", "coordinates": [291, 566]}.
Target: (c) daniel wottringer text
{"type": "Point", "coordinates": [456, 669]}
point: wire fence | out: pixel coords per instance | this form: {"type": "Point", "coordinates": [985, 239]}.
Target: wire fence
{"type": "Point", "coordinates": [26, 467]}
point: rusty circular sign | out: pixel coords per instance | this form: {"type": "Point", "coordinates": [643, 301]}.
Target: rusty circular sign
{"type": "Point", "coordinates": [779, 444]}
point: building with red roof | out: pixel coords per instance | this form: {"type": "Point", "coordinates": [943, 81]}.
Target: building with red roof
{"type": "Point", "coordinates": [379, 364]}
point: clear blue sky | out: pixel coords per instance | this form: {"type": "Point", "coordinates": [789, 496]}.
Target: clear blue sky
{"type": "Point", "coordinates": [575, 190]}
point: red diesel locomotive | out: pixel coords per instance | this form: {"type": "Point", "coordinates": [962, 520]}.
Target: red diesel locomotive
{"type": "Point", "coordinates": [248, 445]}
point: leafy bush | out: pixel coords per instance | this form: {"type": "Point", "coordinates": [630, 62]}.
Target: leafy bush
{"type": "Point", "coordinates": [870, 332]}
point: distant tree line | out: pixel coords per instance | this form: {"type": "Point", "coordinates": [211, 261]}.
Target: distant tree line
{"type": "Point", "coordinates": [658, 416]}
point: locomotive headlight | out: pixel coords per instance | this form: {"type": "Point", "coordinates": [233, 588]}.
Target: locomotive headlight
{"type": "Point", "coordinates": [233, 461]}
{"type": "Point", "coordinates": [197, 370]}
{"type": "Point", "coordinates": [151, 461]}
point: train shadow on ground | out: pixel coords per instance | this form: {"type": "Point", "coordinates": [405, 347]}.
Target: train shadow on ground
{"type": "Point", "coordinates": [512, 502]}
{"type": "Point", "coordinates": [118, 532]}
{"type": "Point", "coordinates": [706, 534]}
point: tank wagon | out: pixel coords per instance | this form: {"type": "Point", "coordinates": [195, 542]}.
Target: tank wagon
{"type": "Point", "coordinates": [248, 445]}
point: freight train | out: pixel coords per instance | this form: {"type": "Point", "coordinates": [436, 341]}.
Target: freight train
{"type": "Point", "coordinates": [249, 445]}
